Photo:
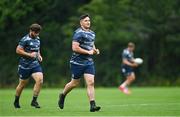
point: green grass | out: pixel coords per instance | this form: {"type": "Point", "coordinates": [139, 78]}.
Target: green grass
{"type": "Point", "coordinates": [142, 102]}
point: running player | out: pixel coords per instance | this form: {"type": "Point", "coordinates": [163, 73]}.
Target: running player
{"type": "Point", "coordinates": [29, 51]}
{"type": "Point", "coordinates": [127, 67]}
{"type": "Point", "coordinates": [82, 63]}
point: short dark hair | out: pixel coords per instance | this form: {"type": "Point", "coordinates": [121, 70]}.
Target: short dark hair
{"type": "Point", "coordinates": [35, 27]}
{"type": "Point", "coordinates": [84, 16]}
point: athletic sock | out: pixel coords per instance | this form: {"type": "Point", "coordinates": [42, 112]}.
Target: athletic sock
{"type": "Point", "coordinates": [17, 98]}
{"type": "Point", "coordinates": [92, 103]}
{"type": "Point", "coordinates": [63, 95]}
{"type": "Point", "coordinates": [35, 98]}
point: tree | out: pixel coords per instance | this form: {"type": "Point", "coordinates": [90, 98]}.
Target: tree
{"type": "Point", "coordinates": [151, 25]}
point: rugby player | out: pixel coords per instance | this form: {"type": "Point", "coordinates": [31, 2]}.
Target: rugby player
{"type": "Point", "coordinates": [29, 51]}
{"type": "Point", "coordinates": [81, 62]}
{"type": "Point", "coordinates": [127, 67]}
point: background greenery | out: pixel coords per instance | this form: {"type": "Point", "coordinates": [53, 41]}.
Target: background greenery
{"type": "Point", "coordinates": [153, 25]}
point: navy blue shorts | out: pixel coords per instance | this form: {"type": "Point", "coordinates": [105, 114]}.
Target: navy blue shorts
{"type": "Point", "coordinates": [26, 73]}
{"type": "Point", "coordinates": [126, 70]}
{"type": "Point", "coordinates": [78, 70]}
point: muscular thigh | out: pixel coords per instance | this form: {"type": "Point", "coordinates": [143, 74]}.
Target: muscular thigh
{"type": "Point", "coordinates": [89, 78]}
{"type": "Point", "coordinates": [37, 73]}
{"type": "Point", "coordinates": [38, 76]}
{"type": "Point", "coordinates": [23, 82]}
{"type": "Point", "coordinates": [131, 76]}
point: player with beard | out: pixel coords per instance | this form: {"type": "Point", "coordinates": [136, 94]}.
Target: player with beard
{"type": "Point", "coordinates": [29, 51]}
{"type": "Point", "coordinates": [82, 63]}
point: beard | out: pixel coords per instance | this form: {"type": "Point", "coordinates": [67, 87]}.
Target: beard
{"type": "Point", "coordinates": [32, 35]}
{"type": "Point", "coordinates": [86, 27]}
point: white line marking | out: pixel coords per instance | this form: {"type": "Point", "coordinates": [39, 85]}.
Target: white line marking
{"type": "Point", "coordinates": [146, 104]}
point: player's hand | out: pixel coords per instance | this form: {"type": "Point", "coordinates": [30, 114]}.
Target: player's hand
{"type": "Point", "coordinates": [91, 52]}
{"type": "Point", "coordinates": [40, 58]}
{"type": "Point", "coordinates": [135, 65]}
{"type": "Point", "coordinates": [33, 54]}
{"type": "Point", "coordinates": [96, 51]}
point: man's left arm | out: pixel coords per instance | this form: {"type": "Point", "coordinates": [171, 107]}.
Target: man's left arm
{"type": "Point", "coordinates": [39, 56]}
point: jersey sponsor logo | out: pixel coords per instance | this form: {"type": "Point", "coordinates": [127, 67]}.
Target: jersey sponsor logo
{"type": "Point", "coordinates": [31, 43]}
{"type": "Point", "coordinates": [34, 49]}
{"type": "Point", "coordinates": [86, 35]}
{"type": "Point", "coordinates": [123, 70]}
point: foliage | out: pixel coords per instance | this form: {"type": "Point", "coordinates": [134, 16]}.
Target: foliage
{"type": "Point", "coordinates": [152, 25]}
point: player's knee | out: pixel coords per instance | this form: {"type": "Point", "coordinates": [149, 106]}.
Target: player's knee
{"type": "Point", "coordinates": [90, 83]}
{"type": "Point", "coordinates": [74, 84]}
{"type": "Point", "coordinates": [39, 81]}
{"type": "Point", "coordinates": [133, 78]}
{"type": "Point", "coordinates": [20, 86]}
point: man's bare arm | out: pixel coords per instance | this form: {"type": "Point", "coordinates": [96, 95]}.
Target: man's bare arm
{"type": "Point", "coordinates": [78, 49]}
{"type": "Point", "coordinates": [21, 52]}
{"type": "Point", "coordinates": [125, 61]}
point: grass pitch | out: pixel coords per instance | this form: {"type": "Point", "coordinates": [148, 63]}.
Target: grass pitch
{"type": "Point", "coordinates": [142, 102]}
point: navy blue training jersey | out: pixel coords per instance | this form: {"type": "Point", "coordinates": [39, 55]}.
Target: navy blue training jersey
{"type": "Point", "coordinates": [126, 54]}
{"type": "Point", "coordinates": [29, 45]}
{"type": "Point", "coordinates": [86, 40]}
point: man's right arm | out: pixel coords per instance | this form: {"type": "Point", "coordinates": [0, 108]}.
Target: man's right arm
{"type": "Point", "coordinates": [78, 49]}
{"type": "Point", "coordinates": [20, 51]}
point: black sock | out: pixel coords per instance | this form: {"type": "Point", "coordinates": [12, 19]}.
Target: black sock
{"type": "Point", "coordinates": [63, 95]}
{"type": "Point", "coordinates": [17, 98]}
{"type": "Point", "coordinates": [92, 103]}
{"type": "Point", "coordinates": [35, 98]}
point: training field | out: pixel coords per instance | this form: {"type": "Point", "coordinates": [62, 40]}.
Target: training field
{"type": "Point", "coordinates": [142, 102]}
